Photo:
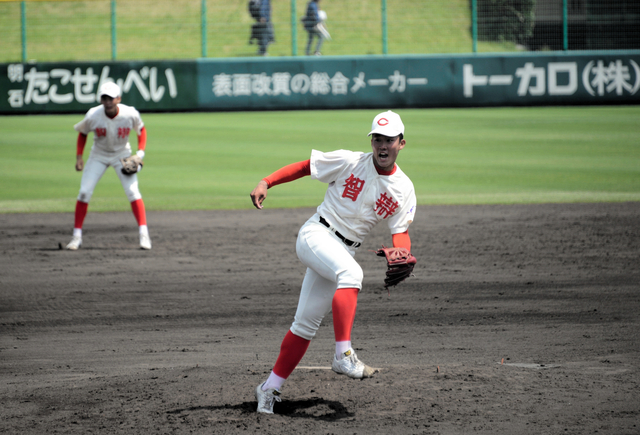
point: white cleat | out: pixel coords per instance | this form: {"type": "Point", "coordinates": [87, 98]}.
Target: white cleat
{"type": "Point", "coordinates": [266, 399]}
{"type": "Point", "coordinates": [75, 243]}
{"type": "Point", "coordinates": [145, 241]}
{"type": "Point", "coordinates": [351, 366]}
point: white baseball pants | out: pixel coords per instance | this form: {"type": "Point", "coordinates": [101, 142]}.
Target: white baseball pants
{"type": "Point", "coordinates": [95, 168]}
{"type": "Point", "coordinates": [330, 266]}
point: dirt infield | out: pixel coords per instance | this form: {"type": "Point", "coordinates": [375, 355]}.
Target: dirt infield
{"type": "Point", "coordinates": [520, 320]}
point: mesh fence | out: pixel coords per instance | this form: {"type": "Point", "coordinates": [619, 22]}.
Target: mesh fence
{"type": "Point", "coordinates": [186, 29]}
{"type": "Point", "coordinates": [506, 22]}
{"type": "Point", "coordinates": [559, 25]}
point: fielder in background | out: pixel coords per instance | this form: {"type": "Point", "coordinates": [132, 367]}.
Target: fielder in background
{"type": "Point", "coordinates": [111, 123]}
{"type": "Point", "coordinates": [363, 190]}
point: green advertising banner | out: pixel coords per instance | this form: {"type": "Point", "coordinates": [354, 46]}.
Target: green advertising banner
{"type": "Point", "coordinates": [551, 79]}
{"type": "Point", "coordinates": [72, 87]}
{"type": "Point", "coordinates": [297, 83]}
{"type": "Point", "coordinates": [316, 83]}
{"type": "Point", "coordinates": [421, 81]}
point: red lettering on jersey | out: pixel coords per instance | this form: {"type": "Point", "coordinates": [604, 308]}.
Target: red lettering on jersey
{"type": "Point", "coordinates": [386, 205]}
{"type": "Point", "coordinates": [123, 132]}
{"type": "Point", "coordinates": [101, 132]}
{"type": "Point", "coordinates": [352, 188]}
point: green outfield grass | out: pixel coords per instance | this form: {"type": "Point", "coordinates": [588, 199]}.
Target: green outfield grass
{"type": "Point", "coordinates": [454, 156]}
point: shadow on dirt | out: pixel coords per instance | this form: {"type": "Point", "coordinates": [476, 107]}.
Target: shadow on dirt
{"type": "Point", "coordinates": [315, 408]}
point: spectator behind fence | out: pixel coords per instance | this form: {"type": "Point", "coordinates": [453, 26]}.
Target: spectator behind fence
{"type": "Point", "coordinates": [313, 22]}
{"type": "Point", "coordinates": [264, 28]}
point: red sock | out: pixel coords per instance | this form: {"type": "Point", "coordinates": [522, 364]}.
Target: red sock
{"type": "Point", "coordinates": [292, 350]}
{"type": "Point", "coordinates": [343, 306]}
{"type": "Point", "coordinates": [139, 211]}
{"type": "Point", "coordinates": [81, 213]}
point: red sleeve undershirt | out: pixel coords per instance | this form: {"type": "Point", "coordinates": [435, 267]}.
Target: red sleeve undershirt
{"type": "Point", "coordinates": [289, 173]}
{"type": "Point", "coordinates": [82, 141]}
{"type": "Point", "coordinates": [142, 139]}
{"type": "Point", "coordinates": [402, 240]}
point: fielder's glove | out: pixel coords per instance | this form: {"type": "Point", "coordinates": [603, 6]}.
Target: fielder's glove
{"type": "Point", "coordinates": [131, 164]}
{"type": "Point", "coordinates": [400, 264]}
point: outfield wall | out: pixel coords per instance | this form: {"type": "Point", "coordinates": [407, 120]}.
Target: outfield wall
{"type": "Point", "coordinates": [553, 78]}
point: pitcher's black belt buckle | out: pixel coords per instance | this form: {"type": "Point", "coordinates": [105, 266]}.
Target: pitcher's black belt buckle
{"type": "Point", "coordinates": [340, 236]}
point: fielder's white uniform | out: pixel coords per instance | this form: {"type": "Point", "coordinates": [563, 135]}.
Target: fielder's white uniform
{"type": "Point", "coordinates": [110, 144]}
{"type": "Point", "coordinates": [357, 199]}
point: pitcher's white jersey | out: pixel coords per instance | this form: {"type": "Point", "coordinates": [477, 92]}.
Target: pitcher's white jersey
{"type": "Point", "coordinates": [358, 197]}
{"type": "Point", "coordinates": [110, 136]}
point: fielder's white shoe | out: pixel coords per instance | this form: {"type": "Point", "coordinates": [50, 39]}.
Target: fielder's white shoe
{"type": "Point", "coordinates": [351, 366]}
{"type": "Point", "coordinates": [145, 241]}
{"type": "Point", "coordinates": [75, 243]}
{"type": "Point", "coordinates": [266, 399]}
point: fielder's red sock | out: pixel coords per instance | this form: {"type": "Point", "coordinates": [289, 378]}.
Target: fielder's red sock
{"type": "Point", "coordinates": [81, 213]}
{"type": "Point", "coordinates": [139, 211]}
{"type": "Point", "coordinates": [292, 350]}
{"type": "Point", "coordinates": [343, 306]}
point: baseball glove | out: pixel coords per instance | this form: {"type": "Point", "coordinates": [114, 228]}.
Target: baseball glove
{"type": "Point", "coordinates": [131, 164]}
{"type": "Point", "coordinates": [400, 264]}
